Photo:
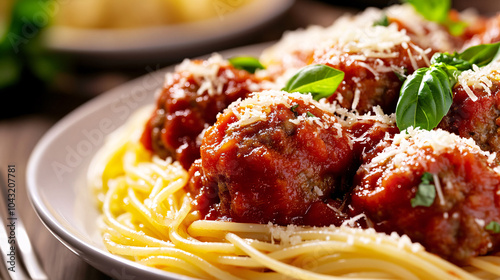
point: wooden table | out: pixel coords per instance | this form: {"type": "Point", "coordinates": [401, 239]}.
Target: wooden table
{"type": "Point", "coordinates": [19, 135]}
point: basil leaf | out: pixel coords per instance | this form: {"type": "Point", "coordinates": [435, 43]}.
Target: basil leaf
{"type": "Point", "coordinates": [294, 110]}
{"type": "Point", "coordinates": [456, 28]}
{"type": "Point", "coordinates": [452, 60]}
{"type": "Point", "coordinates": [319, 80]}
{"type": "Point", "coordinates": [426, 192]}
{"type": "Point", "coordinates": [493, 227]}
{"type": "Point", "coordinates": [425, 97]}
{"type": "Point", "coordinates": [247, 63]}
{"type": "Point", "coordinates": [481, 55]}
{"type": "Point", "coordinates": [384, 21]}
{"type": "Point", "coordinates": [439, 11]}
{"type": "Point", "coordinates": [433, 10]}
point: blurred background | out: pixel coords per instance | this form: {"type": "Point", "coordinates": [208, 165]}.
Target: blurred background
{"type": "Point", "coordinates": [57, 54]}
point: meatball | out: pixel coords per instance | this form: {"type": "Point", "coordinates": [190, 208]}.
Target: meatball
{"type": "Point", "coordinates": [370, 59]}
{"type": "Point", "coordinates": [393, 185]}
{"type": "Point", "coordinates": [475, 111]}
{"type": "Point", "coordinates": [483, 31]}
{"type": "Point", "coordinates": [271, 157]}
{"type": "Point", "coordinates": [189, 102]}
{"type": "Point", "coordinates": [425, 33]}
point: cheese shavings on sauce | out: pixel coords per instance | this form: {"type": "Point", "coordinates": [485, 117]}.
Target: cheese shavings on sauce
{"type": "Point", "coordinates": [348, 118]}
{"type": "Point", "coordinates": [358, 35]}
{"type": "Point", "coordinates": [423, 32]}
{"type": "Point", "coordinates": [479, 78]}
{"type": "Point", "coordinates": [412, 140]}
{"type": "Point", "coordinates": [258, 106]}
{"type": "Point", "coordinates": [372, 41]}
{"type": "Point", "coordinates": [206, 74]}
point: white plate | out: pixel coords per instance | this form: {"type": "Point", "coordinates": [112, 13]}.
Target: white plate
{"type": "Point", "coordinates": [58, 165]}
{"type": "Point", "coordinates": [164, 42]}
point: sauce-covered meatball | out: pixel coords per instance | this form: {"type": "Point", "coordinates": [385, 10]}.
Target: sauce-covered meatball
{"type": "Point", "coordinates": [429, 34]}
{"type": "Point", "coordinates": [370, 59]}
{"type": "Point", "coordinates": [271, 158]}
{"type": "Point", "coordinates": [439, 189]}
{"type": "Point", "coordinates": [189, 102]}
{"type": "Point", "coordinates": [483, 31]}
{"type": "Point", "coordinates": [475, 111]}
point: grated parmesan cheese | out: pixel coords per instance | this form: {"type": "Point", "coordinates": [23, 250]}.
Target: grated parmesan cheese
{"type": "Point", "coordinates": [258, 105]}
{"type": "Point", "coordinates": [362, 43]}
{"type": "Point", "coordinates": [352, 221]}
{"type": "Point", "coordinates": [424, 32]}
{"type": "Point", "coordinates": [479, 78]}
{"type": "Point", "coordinates": [206, 74]}
{"type": "Point", "coordinates": [412, 140]}
{"type": "Point", "coordinates": [439, 190]}
{"type": "Point", "coordinates": [357, 96]}
{"type": "Point", "coordinates": [318, 191]}
{"type": "Point", "coordinates": [348, 118]}
{"type": "Point", "coordinates": [284, 234]}
{"type": "Point", "coordinates": [356, 35]}
{"type": "Point", "coordinates": [480, 222]}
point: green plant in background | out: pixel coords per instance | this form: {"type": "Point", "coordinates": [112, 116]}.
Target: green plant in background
{"type": "Point", "coordinates": [21, 50]}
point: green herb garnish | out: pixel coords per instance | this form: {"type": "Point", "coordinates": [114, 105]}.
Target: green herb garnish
{"type": "Point", "coordinates": [384, 21]}
{"type": "Point", "coordinates": [481, 55]}
{"type": "Point", "coordinates": [319, 80]}
{"type": "Point", "coordinates": [426, 95]}
{"type": "Point", "coordinates": [425, 98]}
{"type": "Point", "coordinates": [452, 60]}
{"type": "Point", "coordinates": [426, 192]}
{"type": "Point", "coordinates": [247, 63]}
{"type": "Point", "coordinates": [311, 115]}
{"type": "Point", "coordinates": [433, 10]}
{"type": "Point", "coordinates": [493, 227]}
{"type": "Point", "coordinates": [294, 109]}
{"type": "Point", "coordinates": [438, 11]}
